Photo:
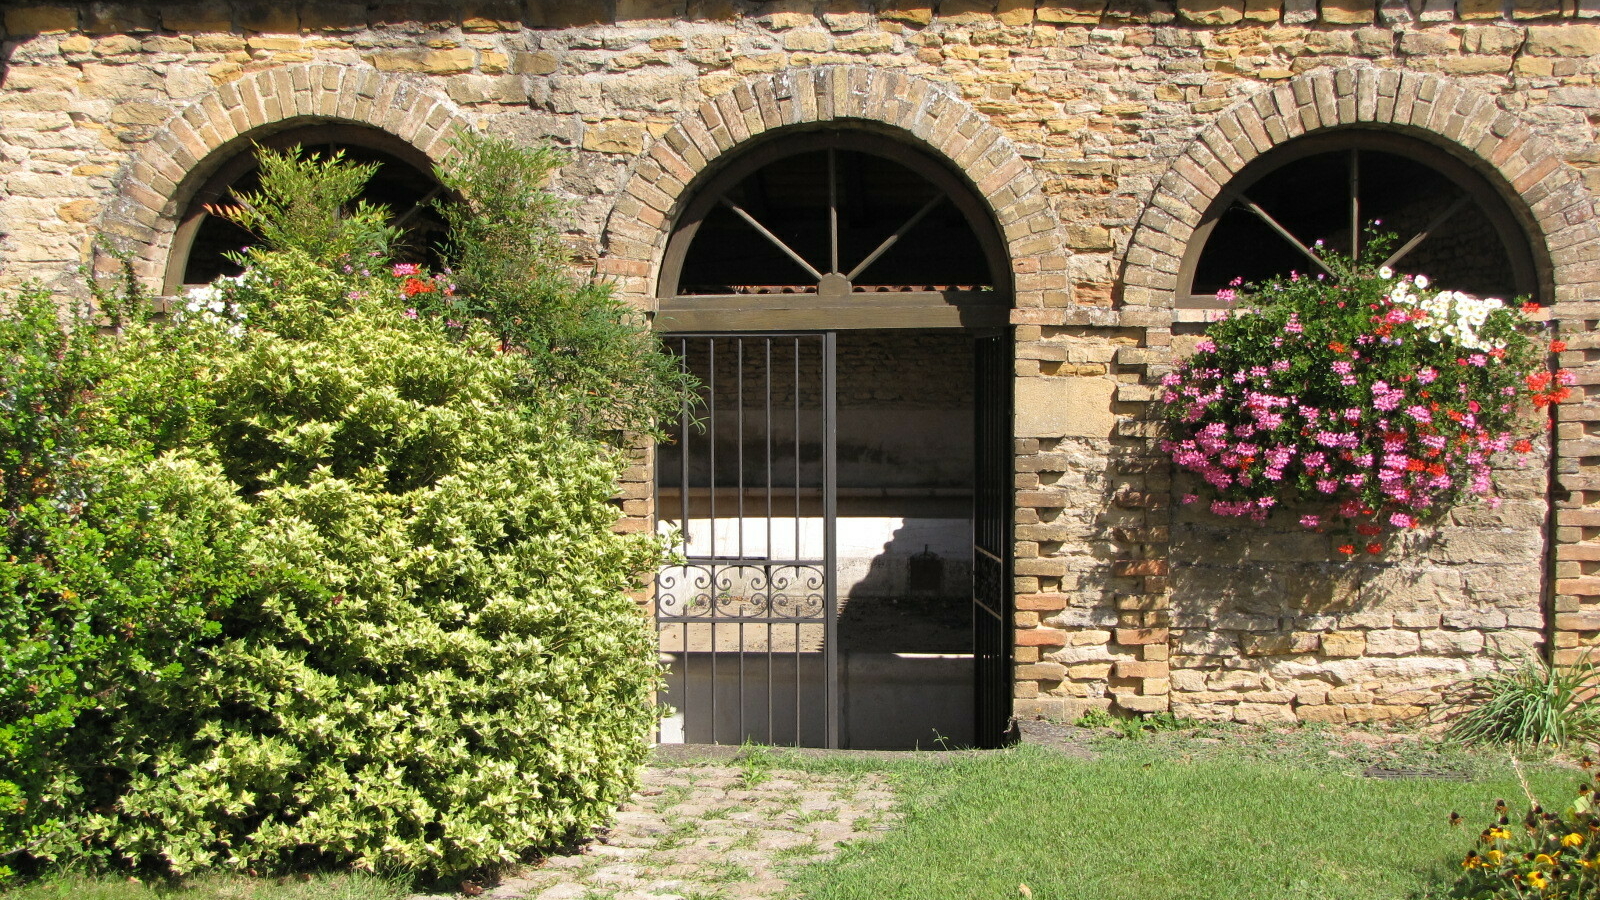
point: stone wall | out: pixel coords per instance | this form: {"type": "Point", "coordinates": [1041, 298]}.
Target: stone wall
{"type": "Point", "coordinates": [1097, 128]}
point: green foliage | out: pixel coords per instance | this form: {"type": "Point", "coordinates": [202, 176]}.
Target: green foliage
{"type": "Point", "coordinates": [309, 205]}
{"type": "Point", "coordinates": [511, 265]}
{"type": "Point", "coordinates": [111, 570]}
{"type": "Point", "coordinates": [1096, 718]}
{"type": "Point", "coordinates": [1530, 703]}
{"type": "Point", "coordinates": [1133, 727]}
{"type": "Point", "coordinates": [301, 886]}
{"type": "Point", "coordinates": [301, 577]}
{"type": "Point", "coordinates": [1544, 854]}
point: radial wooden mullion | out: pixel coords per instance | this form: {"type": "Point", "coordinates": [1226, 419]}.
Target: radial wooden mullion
{"type": "Point", "coordinates": [777, 241]}
{"type": "Point", "coordinates": [1283, 232]}
{"type": "Point", "coordinates": [1355, 203]}
{"type": "Point", "coordinates": [1455, 206]}
{"type": "Point", "coordinates": [406, 216]}
{"type": "Point", "coordinates": [833, 211]}
{"type": "Point", "coordinates": [892, 239]}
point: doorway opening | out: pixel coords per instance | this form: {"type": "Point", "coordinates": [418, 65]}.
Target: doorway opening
{"type": "Point", "coordinates": [832, 294]}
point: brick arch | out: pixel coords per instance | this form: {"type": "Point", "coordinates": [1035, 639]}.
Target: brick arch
{"type": "Point", "coordinates": [1557, 210]}
{"type": "Point", "coordinates": [154, 186]}
{"type": "Point", "coordinates": [931, 113]}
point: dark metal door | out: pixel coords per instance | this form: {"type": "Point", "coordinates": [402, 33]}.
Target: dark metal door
{"type": "Point", "coordinates": [747, 613]}
{"type": "Point", "coordinates": [991, 546]}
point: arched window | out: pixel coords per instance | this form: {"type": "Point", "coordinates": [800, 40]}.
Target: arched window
{"type": "Point", "coordinates": [403, 184]}
{"type": "Point", "coordinates": [833, 229]}
{"type": "Point", "coordinates": [1447, 220]}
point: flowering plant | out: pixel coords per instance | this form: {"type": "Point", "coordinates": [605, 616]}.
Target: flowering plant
{"type": "Point", "coordinates": [1372, 391]}
{"type": "Point", "coordinates": [1546, 854]}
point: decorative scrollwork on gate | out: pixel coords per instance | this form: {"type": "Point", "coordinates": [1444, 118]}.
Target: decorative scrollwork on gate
{"type": "Point", "coordinates": [741, 591]}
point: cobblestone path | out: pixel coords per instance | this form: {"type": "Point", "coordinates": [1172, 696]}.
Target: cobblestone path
{"type": "Point", "coordinates": [712, 832]}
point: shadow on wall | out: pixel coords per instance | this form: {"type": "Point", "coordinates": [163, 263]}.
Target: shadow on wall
{"type": "Point", "coordinates": [1272, 622]}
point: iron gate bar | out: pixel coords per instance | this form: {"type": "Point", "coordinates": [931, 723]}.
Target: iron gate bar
{"type": "Point", "coordinates": [991, 545]}
{"type": "Point", "coordinates": [720, 581]}
{"type": "Point", "coordinates": [830, 522]}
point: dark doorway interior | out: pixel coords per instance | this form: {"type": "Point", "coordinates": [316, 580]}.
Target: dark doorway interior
{"type": "Point", "coordinates": [781, 591]}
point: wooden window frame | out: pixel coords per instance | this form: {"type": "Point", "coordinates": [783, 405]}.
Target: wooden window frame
{"type": "Point", "coordinates": [835, 304]}
{"type": "Point", "coordinates": [1473, 186]}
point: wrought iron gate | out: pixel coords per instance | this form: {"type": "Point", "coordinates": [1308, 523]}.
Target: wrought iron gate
{"type": "Point", "coordinates": [991, 542]}
{"type": "Point", "coordinates": [747, 613]}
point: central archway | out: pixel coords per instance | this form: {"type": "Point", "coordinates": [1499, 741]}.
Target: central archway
{"type": "Point", "coordinates": [841, 491]}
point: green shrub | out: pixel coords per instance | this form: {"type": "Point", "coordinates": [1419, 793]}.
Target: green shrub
{"type": "Point", "coordinates": [344, 587]}
{"type": "Point", "coordinates": [1531, 702]}
{"type": "Point", "coordinates": [510, 263]}
{"type": "Point", "coordinates": [1543, 854]}
{"type": "Point", "coordinates": [116, 563]}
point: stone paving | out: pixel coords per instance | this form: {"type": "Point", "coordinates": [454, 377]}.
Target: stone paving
{"type": "Point", "coordinates": [725, 831]}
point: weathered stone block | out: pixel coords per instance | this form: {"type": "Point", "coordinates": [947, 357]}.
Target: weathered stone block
{"type": "Point", "coordinates": [1279, 644]}
{"type": "Point", "coordinates": [1392, 642]}
{"type": "Point", "coordinates": [425, 62]}
{"type": "Point", "coordinates": [615, 137]}
{"type": "Point", "coordinates": [1563, 40]}
{"type": "Point", "coordinates": [1069, 12]}
{"type": "Point", "coordinates": [1261, 713]}
{"type": "Point", "coordinates": [1452, 643]}
{"type": "Point", "coordinates": [868, 42]}
{"type": "Point", "coordinates": [542, 62]}
{"type": "Point", "coordinates": [1142, 704]}
{"type": "Point", "coordinates": [1480, 9]}
{"type": "Point", "coordinates": [1537, 9]}
{"type": "Point", "coordinates": [1210, 12]}
{"type": "Point", "coordinates": [22, 20]}
{"type": "Point", "coordinates": [1014, 12]}
{"type": "Point", "coordinates": [1348, 12]}
{"type": "Point", "coordinates": [1065, 407]}
{"type": "Point", "coordinates": [911, 12]}
{"type": "Point", "coordinates": [814, 41]}
{"type": "Point", "coordinates": [1344, 644]}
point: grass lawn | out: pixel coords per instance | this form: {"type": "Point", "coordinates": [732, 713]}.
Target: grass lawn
{"type": "Point", "coordinates": [1209, 813]}
{"type": "Point", "coordinates": [1193, 813]}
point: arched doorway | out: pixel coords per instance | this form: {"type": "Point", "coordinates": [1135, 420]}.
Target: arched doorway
{"type": "Point", "coordinates": [842, 493]}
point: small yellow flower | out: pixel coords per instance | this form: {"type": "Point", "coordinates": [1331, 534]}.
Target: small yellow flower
{"type": "Point", "coordinates": [1497, 834]}
{"type": "Point", "coordinates": [1495, 857]}
{"type": "Point", "coordinates": [1537, 880]}
{"type": "Point", "coordinates": [1573, 839]}
{"type": "Point", "coordinates": [1472, 861]}
{"type": "Point", "coordinates": [1545, 859]}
